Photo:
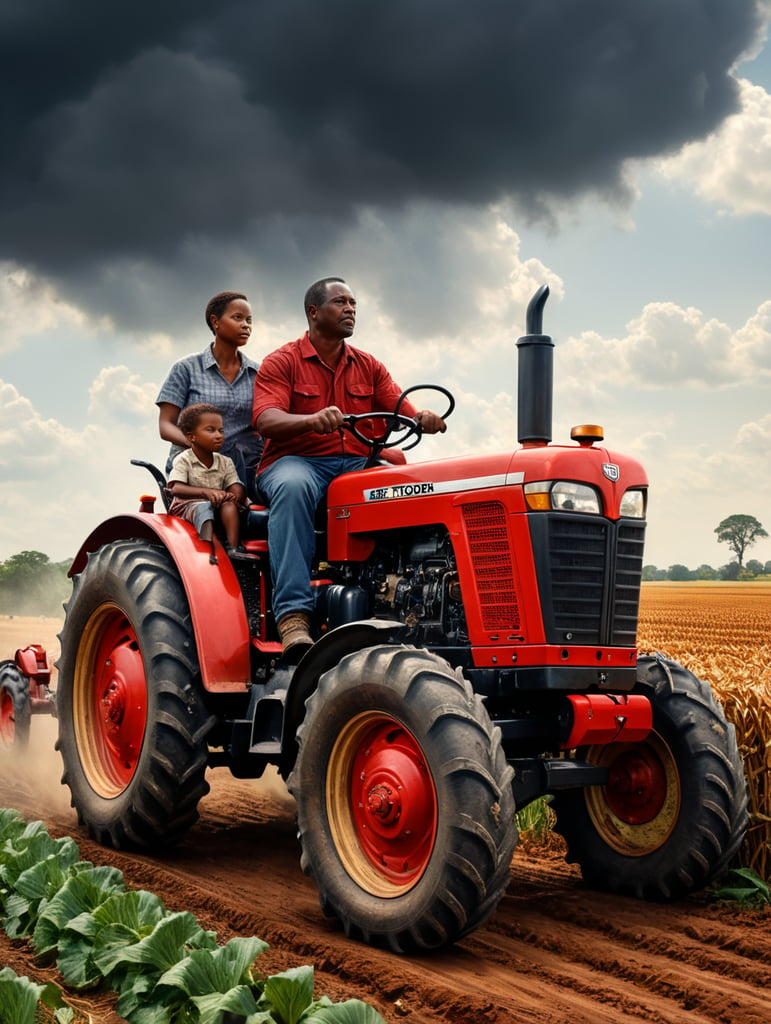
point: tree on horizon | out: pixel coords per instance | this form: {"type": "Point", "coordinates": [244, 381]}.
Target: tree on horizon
{"type": "Point", "coordinates": [739, 532]}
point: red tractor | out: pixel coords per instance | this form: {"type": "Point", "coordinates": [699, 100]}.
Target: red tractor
{"type": "Point", "coordinates": [476, 624]}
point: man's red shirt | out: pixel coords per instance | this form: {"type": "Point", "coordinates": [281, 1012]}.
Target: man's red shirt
{"type": "Point", "coordinates": [295, 379]}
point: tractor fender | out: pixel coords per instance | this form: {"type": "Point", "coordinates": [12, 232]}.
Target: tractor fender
{"type": "Point", "coordinates": [216, 606]}
{"type": "Point", "coordinates": [327, 652]}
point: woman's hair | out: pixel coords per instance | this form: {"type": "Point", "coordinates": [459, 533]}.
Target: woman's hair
{"type": "Point", "coordinates": [190, 417]}
{"type": "Point", "coordinates": [217, 305]}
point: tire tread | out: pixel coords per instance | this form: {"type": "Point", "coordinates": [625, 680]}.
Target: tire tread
{"type": "Point", "coordinates": [160, 803]}
{"type": "Point", "coordinates": [477, 854]}
{"type": "Point", "coordinates": [709, 833]}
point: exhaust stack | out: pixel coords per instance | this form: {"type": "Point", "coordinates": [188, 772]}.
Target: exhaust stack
{"type": "Point", "coordinates": [535, 377]}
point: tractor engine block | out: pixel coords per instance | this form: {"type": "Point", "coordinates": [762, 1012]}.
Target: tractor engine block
{"type": "Point", "coordinates": [415, 580]}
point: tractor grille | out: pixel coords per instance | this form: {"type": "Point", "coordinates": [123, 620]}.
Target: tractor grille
{"type": "Point", "coordinates": [490, 546]}
{"type": "Point", "coordinates": [628, 574]}
{"type": "Point", "coordinates": [589, 572]}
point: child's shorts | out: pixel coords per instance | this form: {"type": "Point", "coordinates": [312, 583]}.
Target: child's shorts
{"type": "Point", "coordinates": [194, 510]}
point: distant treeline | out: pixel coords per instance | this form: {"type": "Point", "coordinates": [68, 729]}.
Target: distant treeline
{"type": "Point", "coordinates": [732, 571]}
{"type": "Point", "coordinates": [31, 584]}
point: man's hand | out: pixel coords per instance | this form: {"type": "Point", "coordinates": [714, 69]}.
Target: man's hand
{"type": "Point", "coordinates": [430, 422]}
{"type": "Point", "coordinates": [325, 422]}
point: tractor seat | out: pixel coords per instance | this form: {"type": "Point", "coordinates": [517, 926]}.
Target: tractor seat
{"type": "Point", "coordinates": [254, 524]}
{"type": "Point", "coordinates": [255, 520]}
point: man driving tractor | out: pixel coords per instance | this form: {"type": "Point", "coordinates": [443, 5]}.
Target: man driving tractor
{"type": "Point", "coordinates": [299, 393]}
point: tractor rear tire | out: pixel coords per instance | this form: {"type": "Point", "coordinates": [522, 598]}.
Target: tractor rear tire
{"type": "Point", "coordinates": [15, 708]}
{"type": "Point", "coordinates": [404, 801]}
{"type": "Point", "coordinates": [674, 811]}
{"type": "Point", "coordinates": [132, 721]}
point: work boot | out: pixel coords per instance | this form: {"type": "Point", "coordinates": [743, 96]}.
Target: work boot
{"type": "Point", "coordinates": [294, 630]}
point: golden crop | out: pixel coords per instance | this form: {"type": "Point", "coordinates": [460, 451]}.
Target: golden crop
{"type": "Point", "coordinates": [722, 633]}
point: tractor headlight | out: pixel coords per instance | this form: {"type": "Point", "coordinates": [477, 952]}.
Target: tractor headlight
{"type": "Point", "coordinates": [562, 496]}
{"type": "Point", "coordinates": [633, 504]}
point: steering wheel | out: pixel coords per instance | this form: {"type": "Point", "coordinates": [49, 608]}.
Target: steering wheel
{"type": "Point", "coordinates": [395, 423]}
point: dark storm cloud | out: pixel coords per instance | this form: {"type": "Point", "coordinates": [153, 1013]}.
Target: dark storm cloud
{"type": "Point", "coordinates": [134, 130]}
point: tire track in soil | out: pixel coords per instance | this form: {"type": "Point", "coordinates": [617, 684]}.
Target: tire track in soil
{"type": "Point", "coordinates": [553, 952]}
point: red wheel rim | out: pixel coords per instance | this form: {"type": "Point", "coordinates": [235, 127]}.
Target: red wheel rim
{"type": "Point", "coordinates": [7, 719]}
{"type": "Point", "coordinates": [382, 804]}
{"type": "Point", "coordinates": [393, 801]}
{"type": "Point", "coordinates": [637, 786]}
{"type": "Point", "coordinates": [638, 809]}
{"type": "Point", "coordinates": [110, 708]}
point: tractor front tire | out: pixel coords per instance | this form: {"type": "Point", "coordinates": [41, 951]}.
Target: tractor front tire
{"type": "Point", "coordinates": [404, 802]}
{"type": "Point", "coordinates": [15, 708]}
{"type": "Point", "coordinates": [674, 810]}
{"type": "Point", "coordinates": [132, 722]}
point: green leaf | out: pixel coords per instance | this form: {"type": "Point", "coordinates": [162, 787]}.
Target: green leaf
{"type": "Point", "coordinates": [133, 987]}
{"type": "Point", "coordinates": [28, 849]}
{"type": "Point", "coordinates": [17, 916]}
{"type": "Point", "coordinates": [239, 1001]}
{"type": "Point", "coordinates": [290, 993]}
{"type": "Point", "coordinates": [75, 961]}
{"type": "Point", "coordinates": [18, 998]}
{"type": "Point", "coordinates": [122, 920]}
{"type": "Point", "coordinates": [36, 885]}
{"type": "Point", "coordinates": [156, 1012]}
{"type": "Point", "coordinates": [754, 879]}
{"type": "Point", "coordinates": [45, 937]}
{"type": "Point", "coordinates": [138, 910]}
{"type": "Point", "coordinates": [51, 996]}
{"type": "Point", "coordinates": [11, 825]}
{"type": "Point", "coordinates": [352, 1011]}
{"type": "Point", "coordinates": [750, 890]}
{"type": "Point", "coordinates": [45, 877]}
{"type": "Point", "coordinates": [85, 889]}
{"type": "Point", "coordinates": [161, 949]}
{"type": "Point", "coordinates": [217, 970]}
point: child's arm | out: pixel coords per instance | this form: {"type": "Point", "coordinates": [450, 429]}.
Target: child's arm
{"type": "Point", "coordinates": [212, 494]}
{"type": "Point", "coordinates": [239, 491]}
{"type": "Point", "coordinates": [234, 489]}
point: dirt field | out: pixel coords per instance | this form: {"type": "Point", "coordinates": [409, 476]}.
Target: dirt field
{"type": "Point", "coordinates": [554, 951]}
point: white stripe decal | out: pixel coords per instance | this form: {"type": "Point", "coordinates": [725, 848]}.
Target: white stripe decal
{"type": "Point", "coordinates": [419, 489]}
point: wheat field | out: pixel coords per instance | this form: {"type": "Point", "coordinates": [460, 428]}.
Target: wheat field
{"type": "Point", "coordinates": [722, 633]}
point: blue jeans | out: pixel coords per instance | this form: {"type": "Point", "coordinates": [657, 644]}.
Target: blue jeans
{"type": "Point", "coordinates": [292, 487]}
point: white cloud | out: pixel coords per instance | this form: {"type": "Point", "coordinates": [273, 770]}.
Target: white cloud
{"type": "Point", "coordinates": [732, 167]}
{"type": "Point", "coordinates": [751, 345]}
{"type": "Point", "coordinates": [59, 483]}
{"type": "Point", "coordinates": [121, 395]}
{"type": "Point", "coordinates": [28, 441]}
{"type": "Point", "coordinates": [158, 344]}
{"type": "Point", "coordinates": [755, 436]}
{"type": "Point", "coordinates": [30, 305]}
{"type": "Point", "coordinates": [668, 347]}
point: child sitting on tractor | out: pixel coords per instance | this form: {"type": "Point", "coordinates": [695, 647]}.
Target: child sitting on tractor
{"type": "Point", "coordinates": [204, 483]}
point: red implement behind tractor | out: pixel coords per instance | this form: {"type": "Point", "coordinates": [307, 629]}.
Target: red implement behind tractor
{"type": "Point", "coordinates": [476, 649]}
{"type": "Point", "coordinates": [24, 691]}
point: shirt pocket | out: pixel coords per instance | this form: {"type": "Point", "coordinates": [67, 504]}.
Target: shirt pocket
{"type": "Point", "coordinates": [359, 398]}
{"type": "Point", "coordinates": [307, 399]}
